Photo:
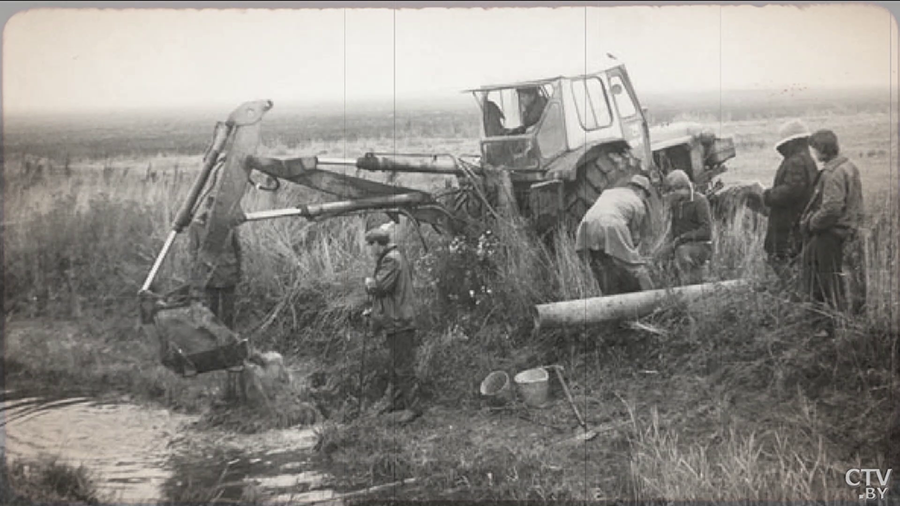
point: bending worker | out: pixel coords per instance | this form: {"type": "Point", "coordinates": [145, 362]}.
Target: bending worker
{"type": "Point", "coordinates": [610, 234]}
{"type": "Point", "coordinates": [690, 237]}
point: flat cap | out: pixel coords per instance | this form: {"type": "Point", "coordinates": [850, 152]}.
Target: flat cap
{"type": "Point", "coordinates": [379, 235]}
{"type": "Point", "coordinates": [641, 182]}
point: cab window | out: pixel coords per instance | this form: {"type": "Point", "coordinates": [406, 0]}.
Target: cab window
{"type": "Point", "coordinates": [591, 103]}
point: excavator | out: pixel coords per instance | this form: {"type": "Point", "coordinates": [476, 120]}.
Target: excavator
{"type": "Point", "coordinates": [193, 340]}
{"type": "Point", "coordinates": [547, 165]}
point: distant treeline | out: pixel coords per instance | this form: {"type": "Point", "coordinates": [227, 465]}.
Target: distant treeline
{"type": "Point", "coordinates": [80, 137]}
{"type": "Point", "coordinates": [763, 104]}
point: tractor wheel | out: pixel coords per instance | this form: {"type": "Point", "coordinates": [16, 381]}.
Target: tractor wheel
{"type": "Point", "coordinates": [604, 171]}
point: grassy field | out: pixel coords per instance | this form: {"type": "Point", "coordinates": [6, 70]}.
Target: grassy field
{"type": "Point", "coordinates": [732, 398]}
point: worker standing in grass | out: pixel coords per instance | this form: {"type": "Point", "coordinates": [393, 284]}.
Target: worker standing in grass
{"type": "Point", "coordinates": [393, 313]}
{"type": "Point", "coordinates": [218, 284]}
{"type": "Point", "coordinates": [830, 225]}
{"type": "Point", "coordinates": [787, 198]}
{"type": "Point", "coordinates": [218, 280]}
{"type": "Point", "coordinates": [690, 235]}
{"type": "Point", "coordinates": [610, 234]}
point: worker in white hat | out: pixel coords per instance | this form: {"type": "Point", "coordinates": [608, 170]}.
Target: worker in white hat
{"type": "Point", "coordinates": [610, 234]}
{"type": "Point", "coordinates": [788, 196]}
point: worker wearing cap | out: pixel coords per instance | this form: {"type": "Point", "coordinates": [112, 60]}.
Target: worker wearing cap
{"type": "Point", "coordinates": [393, 313]}
{"type": "Point", "coordinates": [690, 234]}
{"type": "Point", "coordinates": [610, 234]}
{"type": "Point", "coordinates": [788, 196]}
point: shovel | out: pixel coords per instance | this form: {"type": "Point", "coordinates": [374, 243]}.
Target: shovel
{"type": "Point", "coordinates": [585, 435]}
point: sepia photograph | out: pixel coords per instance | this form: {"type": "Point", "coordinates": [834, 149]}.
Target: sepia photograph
{"type": "Point", "coordinates": [343, 253]}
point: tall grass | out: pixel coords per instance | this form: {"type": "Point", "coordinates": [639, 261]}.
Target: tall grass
{"type": "Point", "coordinates": [46, 481]}
{"type": "Point", "coordinates": [79, 240]}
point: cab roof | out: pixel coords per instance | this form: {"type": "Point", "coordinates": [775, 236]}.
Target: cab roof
{"type": "Point", "coordinates": [607, 63]}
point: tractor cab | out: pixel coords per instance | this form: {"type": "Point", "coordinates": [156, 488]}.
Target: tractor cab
{"type": "Point", "coordinates": [511, 118]}
{"type": "Point", "coordinates": [528, 126]}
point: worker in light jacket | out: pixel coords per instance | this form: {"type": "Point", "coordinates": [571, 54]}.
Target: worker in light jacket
{"type": "Point", "coordinates": [830, 225]}
{"type": "Point", "coordinates": [610, 235]}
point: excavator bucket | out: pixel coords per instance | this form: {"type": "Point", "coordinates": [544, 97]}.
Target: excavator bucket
{"type": "Point", "coordinates": [191, 339]}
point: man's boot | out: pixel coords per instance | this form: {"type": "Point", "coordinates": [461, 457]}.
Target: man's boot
{"type": "Point", "coordinates": [411, 406]}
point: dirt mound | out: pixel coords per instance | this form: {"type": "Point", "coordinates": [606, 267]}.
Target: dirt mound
{"type": "Point", "coordinates": [269, 396]}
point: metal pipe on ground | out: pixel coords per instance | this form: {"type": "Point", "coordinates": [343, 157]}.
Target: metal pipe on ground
{"type": "Point", "coordinates": [572, 313]}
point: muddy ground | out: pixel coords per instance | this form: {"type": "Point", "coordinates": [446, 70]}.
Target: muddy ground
{"type": "Point", "coordinates": [677, 413]}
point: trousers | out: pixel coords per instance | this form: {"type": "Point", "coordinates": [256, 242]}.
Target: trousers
{"type": "Point", "coordinates": [615, 276]}
{"type": "Point", "coordinates": [822, 262]}
{"type": "Point", "coordinates": [221, 303]}
{"type": "Point", "coordinates": [689, 260]}
{"type": "Point", "coordinates": [402, 347]}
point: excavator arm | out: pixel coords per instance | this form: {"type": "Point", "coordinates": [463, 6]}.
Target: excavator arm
{"type": "Point", "coordinates": [192, 339]}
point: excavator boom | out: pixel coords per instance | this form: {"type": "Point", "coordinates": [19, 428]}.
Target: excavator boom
{"type": "Point", "coordinates": [192, 339]}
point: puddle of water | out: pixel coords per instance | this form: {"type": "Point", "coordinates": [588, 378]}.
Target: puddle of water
{"type": "Point", "coordinates": [141, 455]}
{"type": "Point", "coordinates": [123, 446]}
{"type": "Point", "coordinates": [275, 463]}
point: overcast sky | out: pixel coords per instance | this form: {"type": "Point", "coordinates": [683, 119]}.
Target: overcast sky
{"type": "Point", "coordinates": [55, 60]}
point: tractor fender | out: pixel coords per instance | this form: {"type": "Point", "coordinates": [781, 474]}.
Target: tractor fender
{"type": "Point", "coordinates": [566, 167]}
{"type": "Point", "coordinates": [587, 173]}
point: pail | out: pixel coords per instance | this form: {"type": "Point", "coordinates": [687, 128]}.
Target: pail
{"type": "Point", "coordinates": [495, 388]}
{"type": "Point", "coordinates": [534, 386]}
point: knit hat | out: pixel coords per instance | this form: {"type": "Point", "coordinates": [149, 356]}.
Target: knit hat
{"type": "Point", "coordinates": [641, 182]}
{"type": "Point", "coordinates": [680, 179]}
{"type": "Point", "coordinates": [793, 129]}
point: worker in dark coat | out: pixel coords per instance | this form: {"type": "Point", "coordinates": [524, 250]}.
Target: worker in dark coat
{"type": "Point", "coordinates": [787, 198]}
{"type": "Point", "coordinates": [217, 281]}
{"type": "Point", "coordinates": [533, 105]}
{"type": "Point", "coordinates": [829, 224]}
{"type": "Point", "coordinates": [219, 278]}
{"type": "Point", "coordinates": [690, 236]}
{"type": "Point", "coordinates": [393, 313]}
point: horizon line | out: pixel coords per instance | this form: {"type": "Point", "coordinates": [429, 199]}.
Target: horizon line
{"type": "Point", "coordinates": [439, 99]}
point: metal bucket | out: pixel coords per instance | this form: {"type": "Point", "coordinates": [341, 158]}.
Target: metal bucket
{"type": "Point", "coordinates": [192, 339]}
{"type": "Point", "coordinates": [534, 386]}
{"type": "Point", "coordinates": [495, 388]}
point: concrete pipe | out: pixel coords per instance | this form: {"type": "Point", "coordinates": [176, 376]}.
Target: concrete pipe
{"type": "Point", "coordinates": [580, 312]}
